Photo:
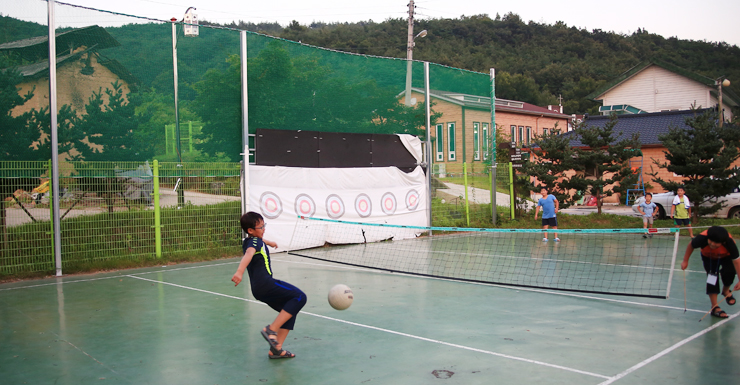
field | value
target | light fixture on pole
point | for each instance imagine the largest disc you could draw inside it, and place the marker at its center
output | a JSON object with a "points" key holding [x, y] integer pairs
{"points": [[721, 82]]}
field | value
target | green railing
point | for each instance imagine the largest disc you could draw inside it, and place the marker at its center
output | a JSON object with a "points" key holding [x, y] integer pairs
{"points": [[117, 210]]}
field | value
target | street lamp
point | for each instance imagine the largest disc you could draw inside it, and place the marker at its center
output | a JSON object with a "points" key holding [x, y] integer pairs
{"points": [[721, 82], [409, 60]]}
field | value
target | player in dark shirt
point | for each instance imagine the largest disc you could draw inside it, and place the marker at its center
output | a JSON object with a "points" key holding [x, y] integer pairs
{"points": [[283, 297], [720, 257]]}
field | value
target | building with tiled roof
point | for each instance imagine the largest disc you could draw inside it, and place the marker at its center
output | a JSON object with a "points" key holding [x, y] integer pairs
{"points": [[657, 86], [461, 132], [649, 126]]}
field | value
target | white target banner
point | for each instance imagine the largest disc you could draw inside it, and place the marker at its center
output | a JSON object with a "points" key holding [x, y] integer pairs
{"points": [[371, 195]]}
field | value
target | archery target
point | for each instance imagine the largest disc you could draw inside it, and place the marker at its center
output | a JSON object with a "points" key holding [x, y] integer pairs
{"points": [[334, 206], [363, 205], [270, 205], [412, 200], [304, 205], [388, 203]]}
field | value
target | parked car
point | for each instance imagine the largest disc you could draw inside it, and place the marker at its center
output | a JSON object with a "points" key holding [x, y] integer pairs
{"points": [[730, 204]]}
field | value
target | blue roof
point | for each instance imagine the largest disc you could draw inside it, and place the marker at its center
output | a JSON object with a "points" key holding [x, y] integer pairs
{"points": [[649, 126]]}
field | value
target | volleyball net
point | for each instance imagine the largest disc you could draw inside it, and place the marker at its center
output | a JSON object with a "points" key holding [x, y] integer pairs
{"points": [[599, 261]]}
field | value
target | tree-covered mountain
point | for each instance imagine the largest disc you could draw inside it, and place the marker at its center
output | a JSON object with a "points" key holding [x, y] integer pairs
{"points": [[535, 62]]}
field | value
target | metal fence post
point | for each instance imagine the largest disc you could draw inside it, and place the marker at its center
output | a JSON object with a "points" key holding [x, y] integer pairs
{"points": [[157, 212]]}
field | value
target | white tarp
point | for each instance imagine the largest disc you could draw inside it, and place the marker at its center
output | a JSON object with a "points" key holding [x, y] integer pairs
{"points": [[371, 195]]}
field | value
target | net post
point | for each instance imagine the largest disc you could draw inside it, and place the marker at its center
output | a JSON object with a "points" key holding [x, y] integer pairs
{"points": [[428, 111], [157, 211], [511, 188], [492, 146], [673, 265], [465, 185], [57, 235]]}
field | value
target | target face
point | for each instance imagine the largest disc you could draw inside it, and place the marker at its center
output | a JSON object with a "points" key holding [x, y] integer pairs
{"points": [[270, 205], [363, 205], [304, 205], [388, 203], [334, 206], [412, 200]]}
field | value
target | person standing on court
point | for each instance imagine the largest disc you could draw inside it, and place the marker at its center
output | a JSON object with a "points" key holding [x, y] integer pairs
{"points": [[550, 206], [681, 210], [719, 255], [281, 296], [647, 210]]}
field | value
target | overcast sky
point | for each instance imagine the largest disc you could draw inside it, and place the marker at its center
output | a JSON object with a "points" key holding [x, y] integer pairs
{"points": [[695, 20]]}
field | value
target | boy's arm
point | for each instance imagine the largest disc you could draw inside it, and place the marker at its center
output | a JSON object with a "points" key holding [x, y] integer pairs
{"points": [[639, 209], [270, 243], [557, 205], [237, 278], [536, 210]]}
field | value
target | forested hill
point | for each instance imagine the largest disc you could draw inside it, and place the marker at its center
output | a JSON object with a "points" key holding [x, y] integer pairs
{"points": [[540, 61], [535, 62]]}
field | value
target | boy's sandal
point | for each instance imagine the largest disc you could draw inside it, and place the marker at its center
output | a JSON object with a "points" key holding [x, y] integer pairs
{"points": [[731, 298], [719, 313], [266, 334], [280, 354]]}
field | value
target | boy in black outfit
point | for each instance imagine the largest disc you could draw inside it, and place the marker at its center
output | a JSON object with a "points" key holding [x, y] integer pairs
{"points": [[283, 297]]}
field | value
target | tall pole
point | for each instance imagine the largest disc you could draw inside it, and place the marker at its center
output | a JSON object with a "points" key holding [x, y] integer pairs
{"points": [[245, 123], [178, 185], [409, 52], [428, 143], [492, 146], [54, 139], [719, 105]]}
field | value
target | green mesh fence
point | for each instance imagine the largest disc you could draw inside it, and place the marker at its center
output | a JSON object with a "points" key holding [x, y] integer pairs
{"points": [[117, 114]]}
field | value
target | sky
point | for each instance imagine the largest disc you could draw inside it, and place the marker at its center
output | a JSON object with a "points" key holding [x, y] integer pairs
{"points": [[694, 20]]}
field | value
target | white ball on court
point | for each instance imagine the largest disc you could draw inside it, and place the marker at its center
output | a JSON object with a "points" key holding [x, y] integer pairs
{"points": [[340, 297]]}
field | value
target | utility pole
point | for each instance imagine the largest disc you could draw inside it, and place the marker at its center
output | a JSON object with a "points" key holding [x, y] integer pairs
{"points": [[409, 52]]}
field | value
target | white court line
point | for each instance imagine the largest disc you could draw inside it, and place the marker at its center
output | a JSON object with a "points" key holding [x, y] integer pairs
{"points": [[666, 351], [392, 331]]}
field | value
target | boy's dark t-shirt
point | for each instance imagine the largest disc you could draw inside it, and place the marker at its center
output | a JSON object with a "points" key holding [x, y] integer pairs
{"points": [[260, 268]]}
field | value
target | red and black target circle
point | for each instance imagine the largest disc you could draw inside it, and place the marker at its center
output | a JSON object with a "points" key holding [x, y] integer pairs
{"points": [[388, 203], [363, 205], [270, 205], [304, 205], [412, 200], [334, 206]]}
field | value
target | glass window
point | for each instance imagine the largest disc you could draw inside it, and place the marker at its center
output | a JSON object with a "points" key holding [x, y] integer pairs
{"points": [[485, 140], [529, 134], [544, 131], [440, 145], [521, 135], [513, 134], [476, 141], [451, 141]]}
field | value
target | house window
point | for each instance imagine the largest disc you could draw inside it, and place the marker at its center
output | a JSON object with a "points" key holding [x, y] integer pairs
{"points": [[485, 141], [476, 141], [513, 134], [521, 135], [450, 141], [440, 145], [544, 131], [529, 135]]}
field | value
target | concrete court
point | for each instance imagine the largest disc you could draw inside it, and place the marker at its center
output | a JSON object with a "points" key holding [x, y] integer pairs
{"points": [[188, 324]]}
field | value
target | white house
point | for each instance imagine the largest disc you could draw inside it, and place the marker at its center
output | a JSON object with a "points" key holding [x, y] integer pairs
{"points": [[656, 86]]}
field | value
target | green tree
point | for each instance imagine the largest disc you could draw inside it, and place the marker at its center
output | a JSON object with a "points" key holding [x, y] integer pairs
{"points": [[113, 129], [702, 156], [603, 160], [552, 157]]}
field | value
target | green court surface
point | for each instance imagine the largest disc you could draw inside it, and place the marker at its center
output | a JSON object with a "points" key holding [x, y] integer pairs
{"points": [[188, 324]]}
